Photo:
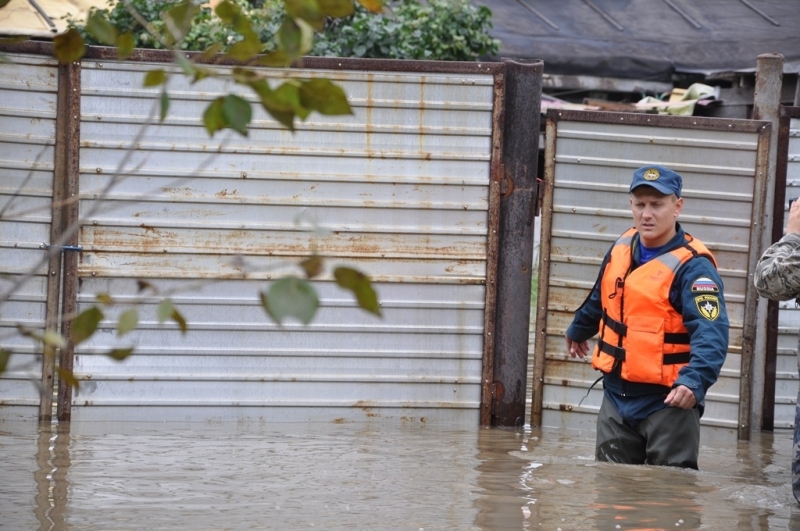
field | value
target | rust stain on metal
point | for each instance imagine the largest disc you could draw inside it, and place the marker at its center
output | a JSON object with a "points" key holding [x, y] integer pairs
{"points": [[498, 391], [367, 408]]}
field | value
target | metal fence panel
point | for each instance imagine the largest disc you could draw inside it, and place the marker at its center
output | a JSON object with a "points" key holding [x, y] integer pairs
{"points": [[28, 90], [398, 190], [590, 160], [786, 377]]}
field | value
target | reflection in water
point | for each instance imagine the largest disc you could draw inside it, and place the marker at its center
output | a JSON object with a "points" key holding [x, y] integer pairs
{"points": [[375, 476]]}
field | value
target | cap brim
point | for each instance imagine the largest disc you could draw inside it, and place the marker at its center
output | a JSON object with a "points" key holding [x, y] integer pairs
{"points": [[661, 188]]}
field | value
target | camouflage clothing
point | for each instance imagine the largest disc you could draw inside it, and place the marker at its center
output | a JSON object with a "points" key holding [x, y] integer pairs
{"points": [[778, 278]]}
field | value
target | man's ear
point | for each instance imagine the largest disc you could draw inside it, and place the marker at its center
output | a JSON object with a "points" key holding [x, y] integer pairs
{"points": [[678, 206]]}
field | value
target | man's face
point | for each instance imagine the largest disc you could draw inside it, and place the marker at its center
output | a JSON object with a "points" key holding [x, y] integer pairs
{"points": [[654, 215]]}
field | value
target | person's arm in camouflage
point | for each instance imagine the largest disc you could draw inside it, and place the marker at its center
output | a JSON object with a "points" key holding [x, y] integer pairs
{"points": [[778, 270]]}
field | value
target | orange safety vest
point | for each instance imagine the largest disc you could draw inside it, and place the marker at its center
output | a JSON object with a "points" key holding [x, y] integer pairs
{"points": [[641, 330]]}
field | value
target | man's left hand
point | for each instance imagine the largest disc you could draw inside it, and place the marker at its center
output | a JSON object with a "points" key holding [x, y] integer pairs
{"points": [[682, 397]]}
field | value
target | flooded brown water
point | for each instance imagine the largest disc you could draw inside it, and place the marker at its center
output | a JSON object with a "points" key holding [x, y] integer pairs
{"points": [[374, 477]]}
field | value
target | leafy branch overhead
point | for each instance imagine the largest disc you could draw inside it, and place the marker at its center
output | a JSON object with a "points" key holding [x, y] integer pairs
{"points": [[296, 98]]}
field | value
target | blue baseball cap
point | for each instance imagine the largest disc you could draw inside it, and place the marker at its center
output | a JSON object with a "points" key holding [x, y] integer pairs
{"points": [[661, 178]]}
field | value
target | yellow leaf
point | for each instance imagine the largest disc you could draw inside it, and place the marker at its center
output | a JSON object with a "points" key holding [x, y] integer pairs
{"points": [[69, 47], [376, 6]]}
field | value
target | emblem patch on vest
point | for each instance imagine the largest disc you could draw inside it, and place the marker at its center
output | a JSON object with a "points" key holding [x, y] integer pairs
{"points": [[704, 285], [708, 306]]}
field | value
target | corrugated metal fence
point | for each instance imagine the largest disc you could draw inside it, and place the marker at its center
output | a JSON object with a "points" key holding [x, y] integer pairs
{"points": [[588, 162], [407, 189], [399, 190], [27, 158]]}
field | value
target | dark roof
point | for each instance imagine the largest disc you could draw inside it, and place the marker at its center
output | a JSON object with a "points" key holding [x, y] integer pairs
{"points": [[647, 39]]}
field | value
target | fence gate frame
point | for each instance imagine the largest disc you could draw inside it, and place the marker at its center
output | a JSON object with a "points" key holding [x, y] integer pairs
{"points": [[763, 131]]}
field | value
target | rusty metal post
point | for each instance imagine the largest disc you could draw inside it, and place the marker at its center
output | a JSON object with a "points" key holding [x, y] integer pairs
{"points": [[519, 197], [492, 246], [766, 106], [53, 309], [773, 309], [72, 117]]}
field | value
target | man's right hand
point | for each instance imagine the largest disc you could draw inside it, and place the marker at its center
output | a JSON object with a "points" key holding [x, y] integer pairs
{"points": [[577, 350], [793, 223]]}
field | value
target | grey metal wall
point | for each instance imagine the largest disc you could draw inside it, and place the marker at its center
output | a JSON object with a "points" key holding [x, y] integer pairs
{"points": [[786, 377], [28, 104], [588, 163], [399, 190]]}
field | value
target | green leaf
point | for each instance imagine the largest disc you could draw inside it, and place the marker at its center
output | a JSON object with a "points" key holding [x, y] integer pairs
{"points": [[212, 51], [245, 49], [337, 8], [246, 76], [312, 265], [54, 339], [69, 377], [186, 65], [179, 19], [85, 325], [104, 298], [164, 310], [237, 112], [277, 59], [120, 354], [125, 45], [285, 118], [153, 78], [213, 117], [227, 12], [101, 29], [164, 108], [5, 355], [289, 94], [360, 285], [178, 318], [69, 47], [282, 104], [295, 37], [307, 10], [128, 321], [290, 297], [201, 72], [232, 15], [323, 96]]}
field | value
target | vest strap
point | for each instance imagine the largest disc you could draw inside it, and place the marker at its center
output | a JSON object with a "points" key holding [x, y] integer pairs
{"points": [[619, 328], [618, 353], [611, 350], [622, 330], [677, 358], [677, 339]]}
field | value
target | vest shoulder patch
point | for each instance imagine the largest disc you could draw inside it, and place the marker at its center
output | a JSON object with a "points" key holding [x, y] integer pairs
{"points": [[704, 285]]}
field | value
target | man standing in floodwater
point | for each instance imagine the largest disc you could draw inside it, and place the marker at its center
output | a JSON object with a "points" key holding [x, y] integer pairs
{"points": [[659, 308], [778, 278]]}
